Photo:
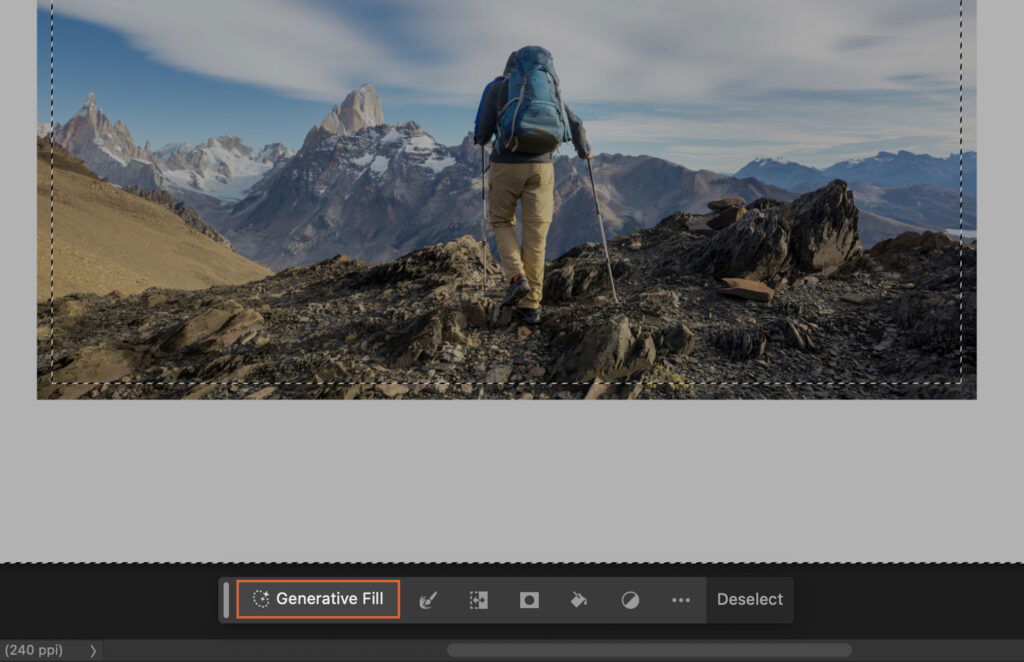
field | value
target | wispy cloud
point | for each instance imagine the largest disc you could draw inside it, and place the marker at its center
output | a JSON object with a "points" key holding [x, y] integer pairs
{"points": [[805, 74], [294, 48]]}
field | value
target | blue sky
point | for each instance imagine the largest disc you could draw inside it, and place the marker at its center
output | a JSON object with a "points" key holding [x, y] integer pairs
{"points": [[706, 84]]}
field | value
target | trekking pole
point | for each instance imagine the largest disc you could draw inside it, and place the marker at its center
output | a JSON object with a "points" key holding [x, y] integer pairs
{"points": [[483, 219], [604, 241]]}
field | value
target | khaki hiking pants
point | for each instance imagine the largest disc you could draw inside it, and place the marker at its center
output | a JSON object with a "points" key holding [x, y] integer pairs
{"points": [[534, 184]]}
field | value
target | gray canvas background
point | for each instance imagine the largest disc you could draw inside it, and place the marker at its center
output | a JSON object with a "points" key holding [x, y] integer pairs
{"points": [[512, 481]]}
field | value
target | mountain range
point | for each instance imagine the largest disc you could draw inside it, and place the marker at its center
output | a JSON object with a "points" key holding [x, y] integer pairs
{"points": [[208, 177], [373, 190], [884, 169], [906, 191]]}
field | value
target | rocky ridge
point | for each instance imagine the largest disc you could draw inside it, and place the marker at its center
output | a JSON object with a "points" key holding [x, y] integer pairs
{"points": [[806, 313]]}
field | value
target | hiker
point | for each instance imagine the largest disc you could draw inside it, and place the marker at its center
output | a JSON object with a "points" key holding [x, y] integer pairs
{"points": [[523, 110]]}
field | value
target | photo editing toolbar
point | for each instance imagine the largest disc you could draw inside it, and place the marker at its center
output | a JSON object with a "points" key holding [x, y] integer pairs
{"points": [[319, 612]]}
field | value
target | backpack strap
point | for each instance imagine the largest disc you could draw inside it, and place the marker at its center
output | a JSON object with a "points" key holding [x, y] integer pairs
{"points": [[483, 102]]}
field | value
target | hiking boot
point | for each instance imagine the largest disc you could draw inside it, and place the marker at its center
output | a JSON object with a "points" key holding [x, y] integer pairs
{"points": [[517, 289], [530, 316]]}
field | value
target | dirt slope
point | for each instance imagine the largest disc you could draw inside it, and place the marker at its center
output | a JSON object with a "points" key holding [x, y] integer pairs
{"points": [[107, 239]]}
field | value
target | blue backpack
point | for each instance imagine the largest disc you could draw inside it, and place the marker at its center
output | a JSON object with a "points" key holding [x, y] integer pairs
{"points": [[533, 120]]}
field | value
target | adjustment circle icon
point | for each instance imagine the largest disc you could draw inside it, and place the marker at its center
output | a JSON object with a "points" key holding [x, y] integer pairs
{"points": [[630, 599]]}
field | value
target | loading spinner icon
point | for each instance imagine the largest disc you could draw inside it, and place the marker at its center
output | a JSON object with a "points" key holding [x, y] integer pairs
{"points": [[261, 598]]}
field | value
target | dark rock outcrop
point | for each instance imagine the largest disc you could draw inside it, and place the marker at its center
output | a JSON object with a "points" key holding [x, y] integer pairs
{"points": [[676, 339], [607, 351], [92, 366], [741, 344], [726, 203], [216, 328], [424, 326], [424, 337], [433, 265], [912, 242], [815, 233], [570, 279]]}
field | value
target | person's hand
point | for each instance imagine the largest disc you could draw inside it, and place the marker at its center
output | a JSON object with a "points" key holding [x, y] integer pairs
{"points": [[590, 155]]}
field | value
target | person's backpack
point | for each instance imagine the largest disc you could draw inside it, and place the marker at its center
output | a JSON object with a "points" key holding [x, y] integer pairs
{"points": [[534, 118]]}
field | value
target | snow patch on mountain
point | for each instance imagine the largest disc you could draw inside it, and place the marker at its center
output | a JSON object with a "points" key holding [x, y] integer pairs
{"points": [[379, 163], [225, 168]]}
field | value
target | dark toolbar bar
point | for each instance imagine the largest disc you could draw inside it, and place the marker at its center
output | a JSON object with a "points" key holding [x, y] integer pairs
{"points": [[525, 600]]}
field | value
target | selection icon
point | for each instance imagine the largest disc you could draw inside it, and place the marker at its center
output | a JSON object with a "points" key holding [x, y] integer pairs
{"points": [[630, 599], [478, 600], [529, 600]]}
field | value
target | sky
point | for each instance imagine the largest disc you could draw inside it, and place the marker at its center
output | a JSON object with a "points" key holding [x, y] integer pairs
{"points": [[704, 83]]}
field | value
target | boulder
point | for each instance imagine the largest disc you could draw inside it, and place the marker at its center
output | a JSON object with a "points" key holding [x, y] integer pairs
{"points": [[676, 222], [763, 203], [793, 334], [815, 233], [726, 203], [498, 374], [68, 308], [607, 351], [430, 267], [425, 336], [217, 327], [677, 339], [419, 341], [912, 242], [743, 288], [572, 280], [741, 344], [478, 312], [569, 279], [391, 390], [726, 217], [90, 367]]}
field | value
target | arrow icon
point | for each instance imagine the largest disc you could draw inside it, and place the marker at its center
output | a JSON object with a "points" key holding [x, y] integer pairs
{"points": [[93, 654]]}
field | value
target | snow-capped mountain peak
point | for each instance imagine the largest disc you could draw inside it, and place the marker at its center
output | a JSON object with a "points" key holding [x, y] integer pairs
{"points": [[405, 143], [360, 109], [46, 129], [107, 147], [763, 161]]}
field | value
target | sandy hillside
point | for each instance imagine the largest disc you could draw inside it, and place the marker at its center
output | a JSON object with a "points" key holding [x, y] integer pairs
{"points": [[107, 239]]}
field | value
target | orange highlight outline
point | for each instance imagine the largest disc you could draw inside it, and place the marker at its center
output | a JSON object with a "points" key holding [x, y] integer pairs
{"points": [[396, 582]]}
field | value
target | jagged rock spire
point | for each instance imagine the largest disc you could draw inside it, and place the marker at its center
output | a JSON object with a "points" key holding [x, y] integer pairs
{"points": [[360, 109]]}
